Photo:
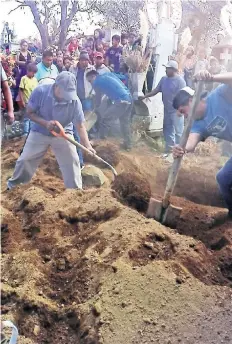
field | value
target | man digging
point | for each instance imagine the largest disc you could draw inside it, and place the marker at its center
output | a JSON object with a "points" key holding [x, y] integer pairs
{"points": [[47, 104], [213, 118]]}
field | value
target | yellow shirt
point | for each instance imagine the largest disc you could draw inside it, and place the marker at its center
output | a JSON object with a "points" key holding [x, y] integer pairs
{"points": [[27, 85]]}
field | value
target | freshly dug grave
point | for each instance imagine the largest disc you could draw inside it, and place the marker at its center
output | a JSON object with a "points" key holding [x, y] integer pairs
{"points": [[133, 189], [81, 267]]}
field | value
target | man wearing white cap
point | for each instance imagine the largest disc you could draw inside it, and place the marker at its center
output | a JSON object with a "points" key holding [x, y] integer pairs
{"points": [[213, 118], [169, 86], [47, 104]]}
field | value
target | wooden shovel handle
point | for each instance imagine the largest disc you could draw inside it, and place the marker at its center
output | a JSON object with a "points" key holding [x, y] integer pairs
{"points": [[173, 174]]}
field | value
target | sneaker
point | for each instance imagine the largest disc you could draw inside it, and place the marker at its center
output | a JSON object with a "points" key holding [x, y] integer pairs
{"points": [[169, 158], [164, 156]]}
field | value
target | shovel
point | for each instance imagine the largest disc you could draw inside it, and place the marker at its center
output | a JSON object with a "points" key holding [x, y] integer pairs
{"points": [[61, 133], [163, 211]]}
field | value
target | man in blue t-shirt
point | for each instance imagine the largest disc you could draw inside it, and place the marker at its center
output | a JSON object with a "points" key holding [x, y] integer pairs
{"points": [[169, 86], [47, 104], [213, 118], [121, 104]]}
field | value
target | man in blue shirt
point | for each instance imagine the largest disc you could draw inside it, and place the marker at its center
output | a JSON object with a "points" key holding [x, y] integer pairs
{"points": [[47, 71], [121, 104], [169, 86], [213, 118], [47, 104]]}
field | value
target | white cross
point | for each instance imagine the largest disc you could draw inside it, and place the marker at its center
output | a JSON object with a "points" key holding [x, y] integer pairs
{"points": [[225, 56]]}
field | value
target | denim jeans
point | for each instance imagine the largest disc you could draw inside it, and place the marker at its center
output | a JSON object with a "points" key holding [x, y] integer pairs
{"points": [[79, 151], [224, 179], [26, 126], [122, 111], [172, 129]]}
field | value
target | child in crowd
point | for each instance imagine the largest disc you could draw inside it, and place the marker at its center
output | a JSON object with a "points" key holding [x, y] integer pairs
{"points": [[113, 54], [27, 85]]}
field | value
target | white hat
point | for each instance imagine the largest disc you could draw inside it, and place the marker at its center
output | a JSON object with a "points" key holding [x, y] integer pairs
{"points": [[189, 90]]}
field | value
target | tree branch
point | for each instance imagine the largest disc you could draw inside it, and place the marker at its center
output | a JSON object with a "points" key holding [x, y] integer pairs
{"points": [[19, 6]]}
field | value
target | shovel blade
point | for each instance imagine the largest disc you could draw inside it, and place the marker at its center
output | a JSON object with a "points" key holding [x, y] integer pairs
{"points": [[171, 216], [154, 210]]}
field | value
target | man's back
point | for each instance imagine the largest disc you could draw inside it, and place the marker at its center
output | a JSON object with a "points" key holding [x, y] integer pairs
{"points": [[217, 119], [112, 87]]}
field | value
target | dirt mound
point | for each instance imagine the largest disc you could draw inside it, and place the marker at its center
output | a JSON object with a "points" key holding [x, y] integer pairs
{"points": [[81, 267], [107, 151], [133, 189]]}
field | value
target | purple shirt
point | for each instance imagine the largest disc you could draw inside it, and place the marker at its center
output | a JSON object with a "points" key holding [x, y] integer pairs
{"points": [[114, 55]]}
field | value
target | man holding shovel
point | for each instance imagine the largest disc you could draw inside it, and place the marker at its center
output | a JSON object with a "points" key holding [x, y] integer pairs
{"points": [[213, 117], [47, 104]]}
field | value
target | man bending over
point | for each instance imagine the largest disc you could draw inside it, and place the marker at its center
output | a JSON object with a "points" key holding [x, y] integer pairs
{"points": [[47, 104], [213, 118]]}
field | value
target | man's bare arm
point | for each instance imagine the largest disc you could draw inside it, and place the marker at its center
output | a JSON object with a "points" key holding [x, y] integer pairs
{"points": [[49, 125], [152, 93], [193, 140], [225, 78], [9, 102]]}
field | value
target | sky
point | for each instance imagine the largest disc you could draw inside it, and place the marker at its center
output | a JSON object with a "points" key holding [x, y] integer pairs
{"points": [[22, 20]]}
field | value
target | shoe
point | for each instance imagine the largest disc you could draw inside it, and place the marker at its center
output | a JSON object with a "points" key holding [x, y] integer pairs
{"points": [[169, 158], [164, 156]]}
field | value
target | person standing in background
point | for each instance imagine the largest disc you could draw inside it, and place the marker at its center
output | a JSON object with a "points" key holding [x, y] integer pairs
{"points": [[113, 54], [187, 64], [22, 60], [202, 62], [84, 89], [27, 84], [60, 64], [99, 64], [173, 125], [67, 63], [46, 69], [73, 45], [6, 99]]}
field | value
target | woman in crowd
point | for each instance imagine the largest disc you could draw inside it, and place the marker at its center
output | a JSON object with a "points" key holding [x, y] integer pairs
{"points": [[187, 65], [23, 58], [202, 62]]}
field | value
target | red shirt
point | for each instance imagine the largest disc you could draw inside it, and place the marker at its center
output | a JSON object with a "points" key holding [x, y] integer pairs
{"points": [[72, 47]]}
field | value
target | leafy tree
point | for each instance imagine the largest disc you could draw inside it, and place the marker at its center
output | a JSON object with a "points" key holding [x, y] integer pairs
{"points": [[122, 15], [54, 18]]}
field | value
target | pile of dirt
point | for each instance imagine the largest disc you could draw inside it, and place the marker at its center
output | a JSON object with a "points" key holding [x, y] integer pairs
{"points": [[83, 267], [107, 151]]}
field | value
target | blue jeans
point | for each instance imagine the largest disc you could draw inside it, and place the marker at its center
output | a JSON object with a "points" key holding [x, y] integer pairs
{"points": [[172, 129], [26, 126], [79, 151], [224, 179]]}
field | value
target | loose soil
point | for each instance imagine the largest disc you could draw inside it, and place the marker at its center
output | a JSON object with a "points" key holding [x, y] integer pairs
{"points": [[88, 267]]}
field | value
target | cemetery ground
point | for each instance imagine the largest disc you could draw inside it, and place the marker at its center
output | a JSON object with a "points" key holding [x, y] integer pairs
{"points": [[88, 266]]}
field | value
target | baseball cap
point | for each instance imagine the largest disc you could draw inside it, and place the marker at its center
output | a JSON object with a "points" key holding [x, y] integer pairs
{"points": [[98, 54], [189, 90], [171, 64], [66, 82]]}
